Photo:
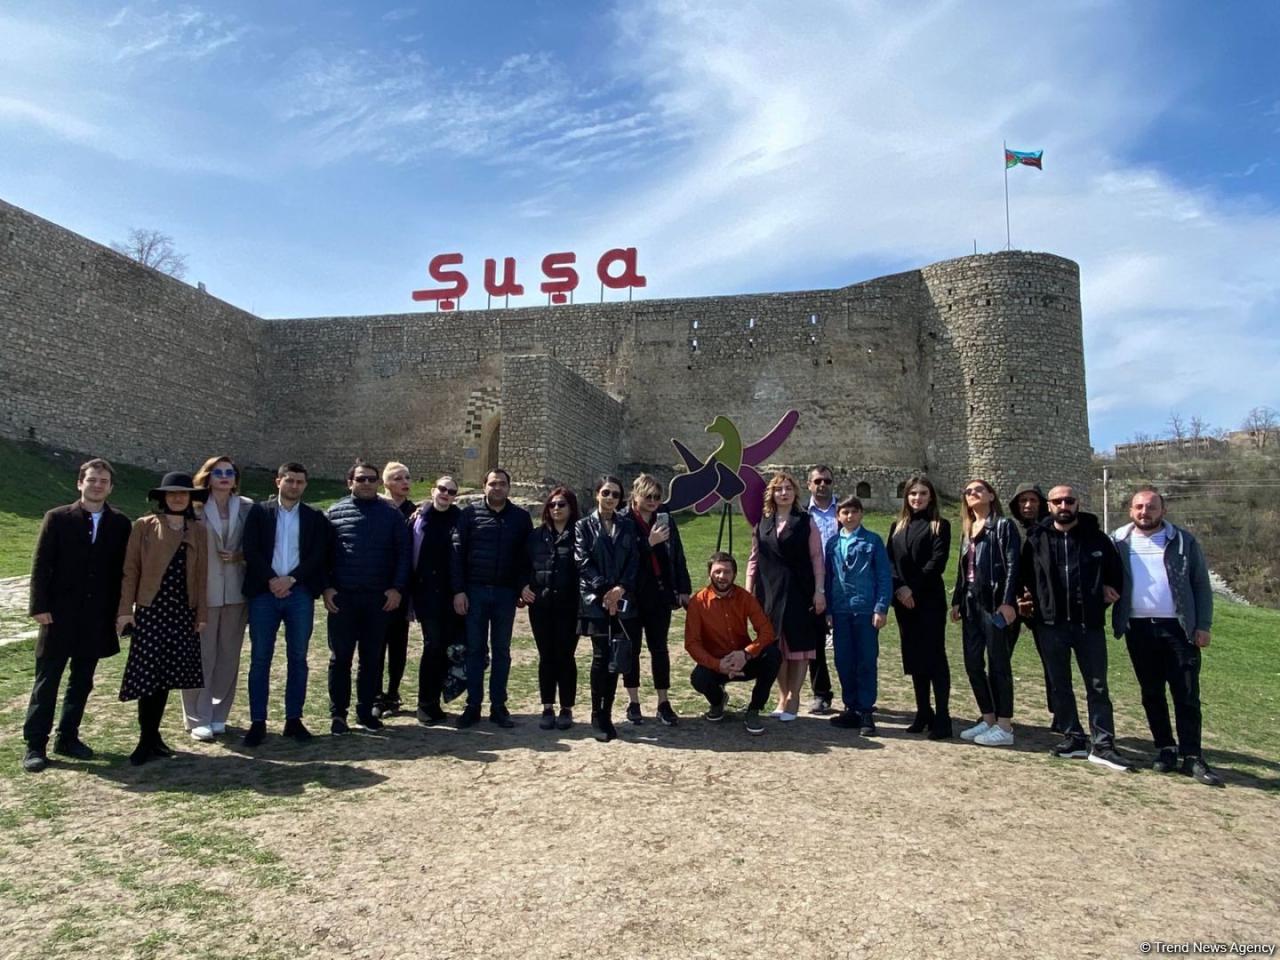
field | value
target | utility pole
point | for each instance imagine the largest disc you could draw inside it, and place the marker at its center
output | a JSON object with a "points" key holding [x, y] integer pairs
{"points": [[1106, 503]]}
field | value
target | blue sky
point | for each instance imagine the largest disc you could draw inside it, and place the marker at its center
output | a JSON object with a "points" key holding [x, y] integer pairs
{"points": [[310, 158]]}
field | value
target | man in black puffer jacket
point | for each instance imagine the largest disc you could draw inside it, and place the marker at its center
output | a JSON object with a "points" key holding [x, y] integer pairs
{"points": [[488, 569], [1072, 571], [369, 569]]}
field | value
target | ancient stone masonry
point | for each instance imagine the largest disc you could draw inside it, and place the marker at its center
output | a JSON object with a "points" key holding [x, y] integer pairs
{"points": [[969, 367]]}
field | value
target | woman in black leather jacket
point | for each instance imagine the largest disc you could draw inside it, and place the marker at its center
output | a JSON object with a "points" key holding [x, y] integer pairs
{"points": [[552, 598], [607, 561], [983, 603]]}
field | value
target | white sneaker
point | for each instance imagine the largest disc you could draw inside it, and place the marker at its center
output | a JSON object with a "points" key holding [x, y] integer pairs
{"points": [[996, 736], [218, 728], [777, 714], [975, 731], [203, 734], [784, 717]]}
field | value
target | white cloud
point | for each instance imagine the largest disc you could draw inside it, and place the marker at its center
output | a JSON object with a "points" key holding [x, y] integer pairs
{"points": [[859, 133], [183, 33], [396, 108]]}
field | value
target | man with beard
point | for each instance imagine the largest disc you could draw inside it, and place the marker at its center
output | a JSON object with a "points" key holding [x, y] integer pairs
{"points": [[1072, 571], [1165, 616], [1029, 507], [716, 637]]}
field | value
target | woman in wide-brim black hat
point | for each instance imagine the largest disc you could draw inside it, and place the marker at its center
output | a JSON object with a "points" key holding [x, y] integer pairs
{"points": [[163, 603]]}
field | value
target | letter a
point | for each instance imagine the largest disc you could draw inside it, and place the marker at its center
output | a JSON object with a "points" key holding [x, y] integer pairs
{"points": [[628, 278]]}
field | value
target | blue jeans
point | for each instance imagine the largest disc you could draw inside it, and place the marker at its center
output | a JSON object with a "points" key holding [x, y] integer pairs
{"points": [[266, 613], [491, 615], [857, 649]]}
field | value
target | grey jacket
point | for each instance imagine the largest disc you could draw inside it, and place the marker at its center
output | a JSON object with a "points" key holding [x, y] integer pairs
{"points": [[1188, 580]]}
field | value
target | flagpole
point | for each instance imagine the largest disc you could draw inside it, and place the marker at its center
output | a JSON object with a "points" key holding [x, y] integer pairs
{"points": [[1008, 236]]}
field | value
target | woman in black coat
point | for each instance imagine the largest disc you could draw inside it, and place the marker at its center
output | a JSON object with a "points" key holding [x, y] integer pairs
{"points": [[607, 560], [919, 547], [786, 572], [552, 598], [432, 529]]}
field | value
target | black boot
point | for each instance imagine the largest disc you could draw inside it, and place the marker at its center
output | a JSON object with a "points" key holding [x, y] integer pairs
{"points": [[142, 752], [941, 728], [922, 722]]}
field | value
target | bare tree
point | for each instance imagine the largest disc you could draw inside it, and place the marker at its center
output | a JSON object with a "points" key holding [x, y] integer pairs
{"points": [[1137, 452], [1177, 428], [154, 249], [1197, 427], [1261, 423]]}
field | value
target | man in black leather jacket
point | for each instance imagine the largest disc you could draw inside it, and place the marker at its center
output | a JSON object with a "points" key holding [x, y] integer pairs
{"points": [[1072, 571]]}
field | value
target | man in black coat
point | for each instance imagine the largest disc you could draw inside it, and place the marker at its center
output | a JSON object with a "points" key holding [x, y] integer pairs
{"points": [[75, 589], [1072, 570], [286, 555]]}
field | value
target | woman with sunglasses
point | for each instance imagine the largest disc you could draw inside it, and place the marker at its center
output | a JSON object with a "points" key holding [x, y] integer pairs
{"points": [[984, 604], [662, 585], [552, 598], [432, 594], [222, 639], [786, 572], [607, 559]]}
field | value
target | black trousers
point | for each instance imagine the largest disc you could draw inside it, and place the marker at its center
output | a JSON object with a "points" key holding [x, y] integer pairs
{"points": [[604, 682], [397, 651], [555, 633], [360, 624], [44, 698], [988, 656], [438, 633], [819, 674], [763, 670], [1089, 644], [655, 620], [1163, 657], [1036, 639]]}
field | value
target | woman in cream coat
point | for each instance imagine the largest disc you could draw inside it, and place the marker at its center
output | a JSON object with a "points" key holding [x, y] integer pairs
{"points": [[222, 638]]}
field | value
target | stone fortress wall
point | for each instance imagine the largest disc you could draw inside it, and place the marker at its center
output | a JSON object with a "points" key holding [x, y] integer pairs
{"points": [[969, 367]]}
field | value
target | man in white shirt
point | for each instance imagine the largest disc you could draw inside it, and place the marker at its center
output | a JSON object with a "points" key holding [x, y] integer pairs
{"points": [[822, 508], [1165, 614]]}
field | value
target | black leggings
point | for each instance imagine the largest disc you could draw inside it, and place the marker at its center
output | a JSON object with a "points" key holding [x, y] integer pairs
{"points": [[940, 681], [655, 620], [397, 652], [555, 632], [150, 711]]}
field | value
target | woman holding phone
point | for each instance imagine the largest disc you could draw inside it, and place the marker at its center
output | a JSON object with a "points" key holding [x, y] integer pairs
{"points": [[607, 560], [983, 603], [662, 585]]}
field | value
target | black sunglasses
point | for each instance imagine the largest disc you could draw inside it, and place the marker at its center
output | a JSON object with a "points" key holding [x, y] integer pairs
{"points": [[610, 494], [821, 481], [451, 491], [364, 479], [1065, 501], [559, 504], [974, 491]]}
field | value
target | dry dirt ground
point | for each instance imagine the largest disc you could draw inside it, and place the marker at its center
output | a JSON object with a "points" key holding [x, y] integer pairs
{"points": [[694, 841]]}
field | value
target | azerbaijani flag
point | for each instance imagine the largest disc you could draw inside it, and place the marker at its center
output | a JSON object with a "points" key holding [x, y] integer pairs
{"points": [[1029, 157]]}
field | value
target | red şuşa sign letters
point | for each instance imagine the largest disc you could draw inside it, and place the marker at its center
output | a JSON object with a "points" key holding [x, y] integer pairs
{"points": [[558, 268]]}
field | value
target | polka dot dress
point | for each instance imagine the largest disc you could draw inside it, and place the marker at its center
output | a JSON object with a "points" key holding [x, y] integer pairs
{"points": [[165, 651]]}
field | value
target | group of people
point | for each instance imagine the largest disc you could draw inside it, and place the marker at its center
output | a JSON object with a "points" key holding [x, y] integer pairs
{"points": [[184, 583]]}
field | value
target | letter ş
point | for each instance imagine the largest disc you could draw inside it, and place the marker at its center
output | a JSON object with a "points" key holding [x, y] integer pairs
{"points": [[558, 268]]}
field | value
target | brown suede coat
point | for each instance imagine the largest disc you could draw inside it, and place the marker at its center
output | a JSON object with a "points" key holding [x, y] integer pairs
{"points": [[151, 546]]}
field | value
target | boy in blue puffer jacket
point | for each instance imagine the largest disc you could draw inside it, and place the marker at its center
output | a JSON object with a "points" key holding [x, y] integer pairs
{"points": [[859, 586]]}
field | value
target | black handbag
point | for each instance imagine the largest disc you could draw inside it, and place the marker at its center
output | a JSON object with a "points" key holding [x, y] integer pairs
{"points": [[620, 647]]}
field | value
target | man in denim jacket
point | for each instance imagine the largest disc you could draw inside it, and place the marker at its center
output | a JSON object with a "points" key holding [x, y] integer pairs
{"points": [[1165, 614], [859, 586]]}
